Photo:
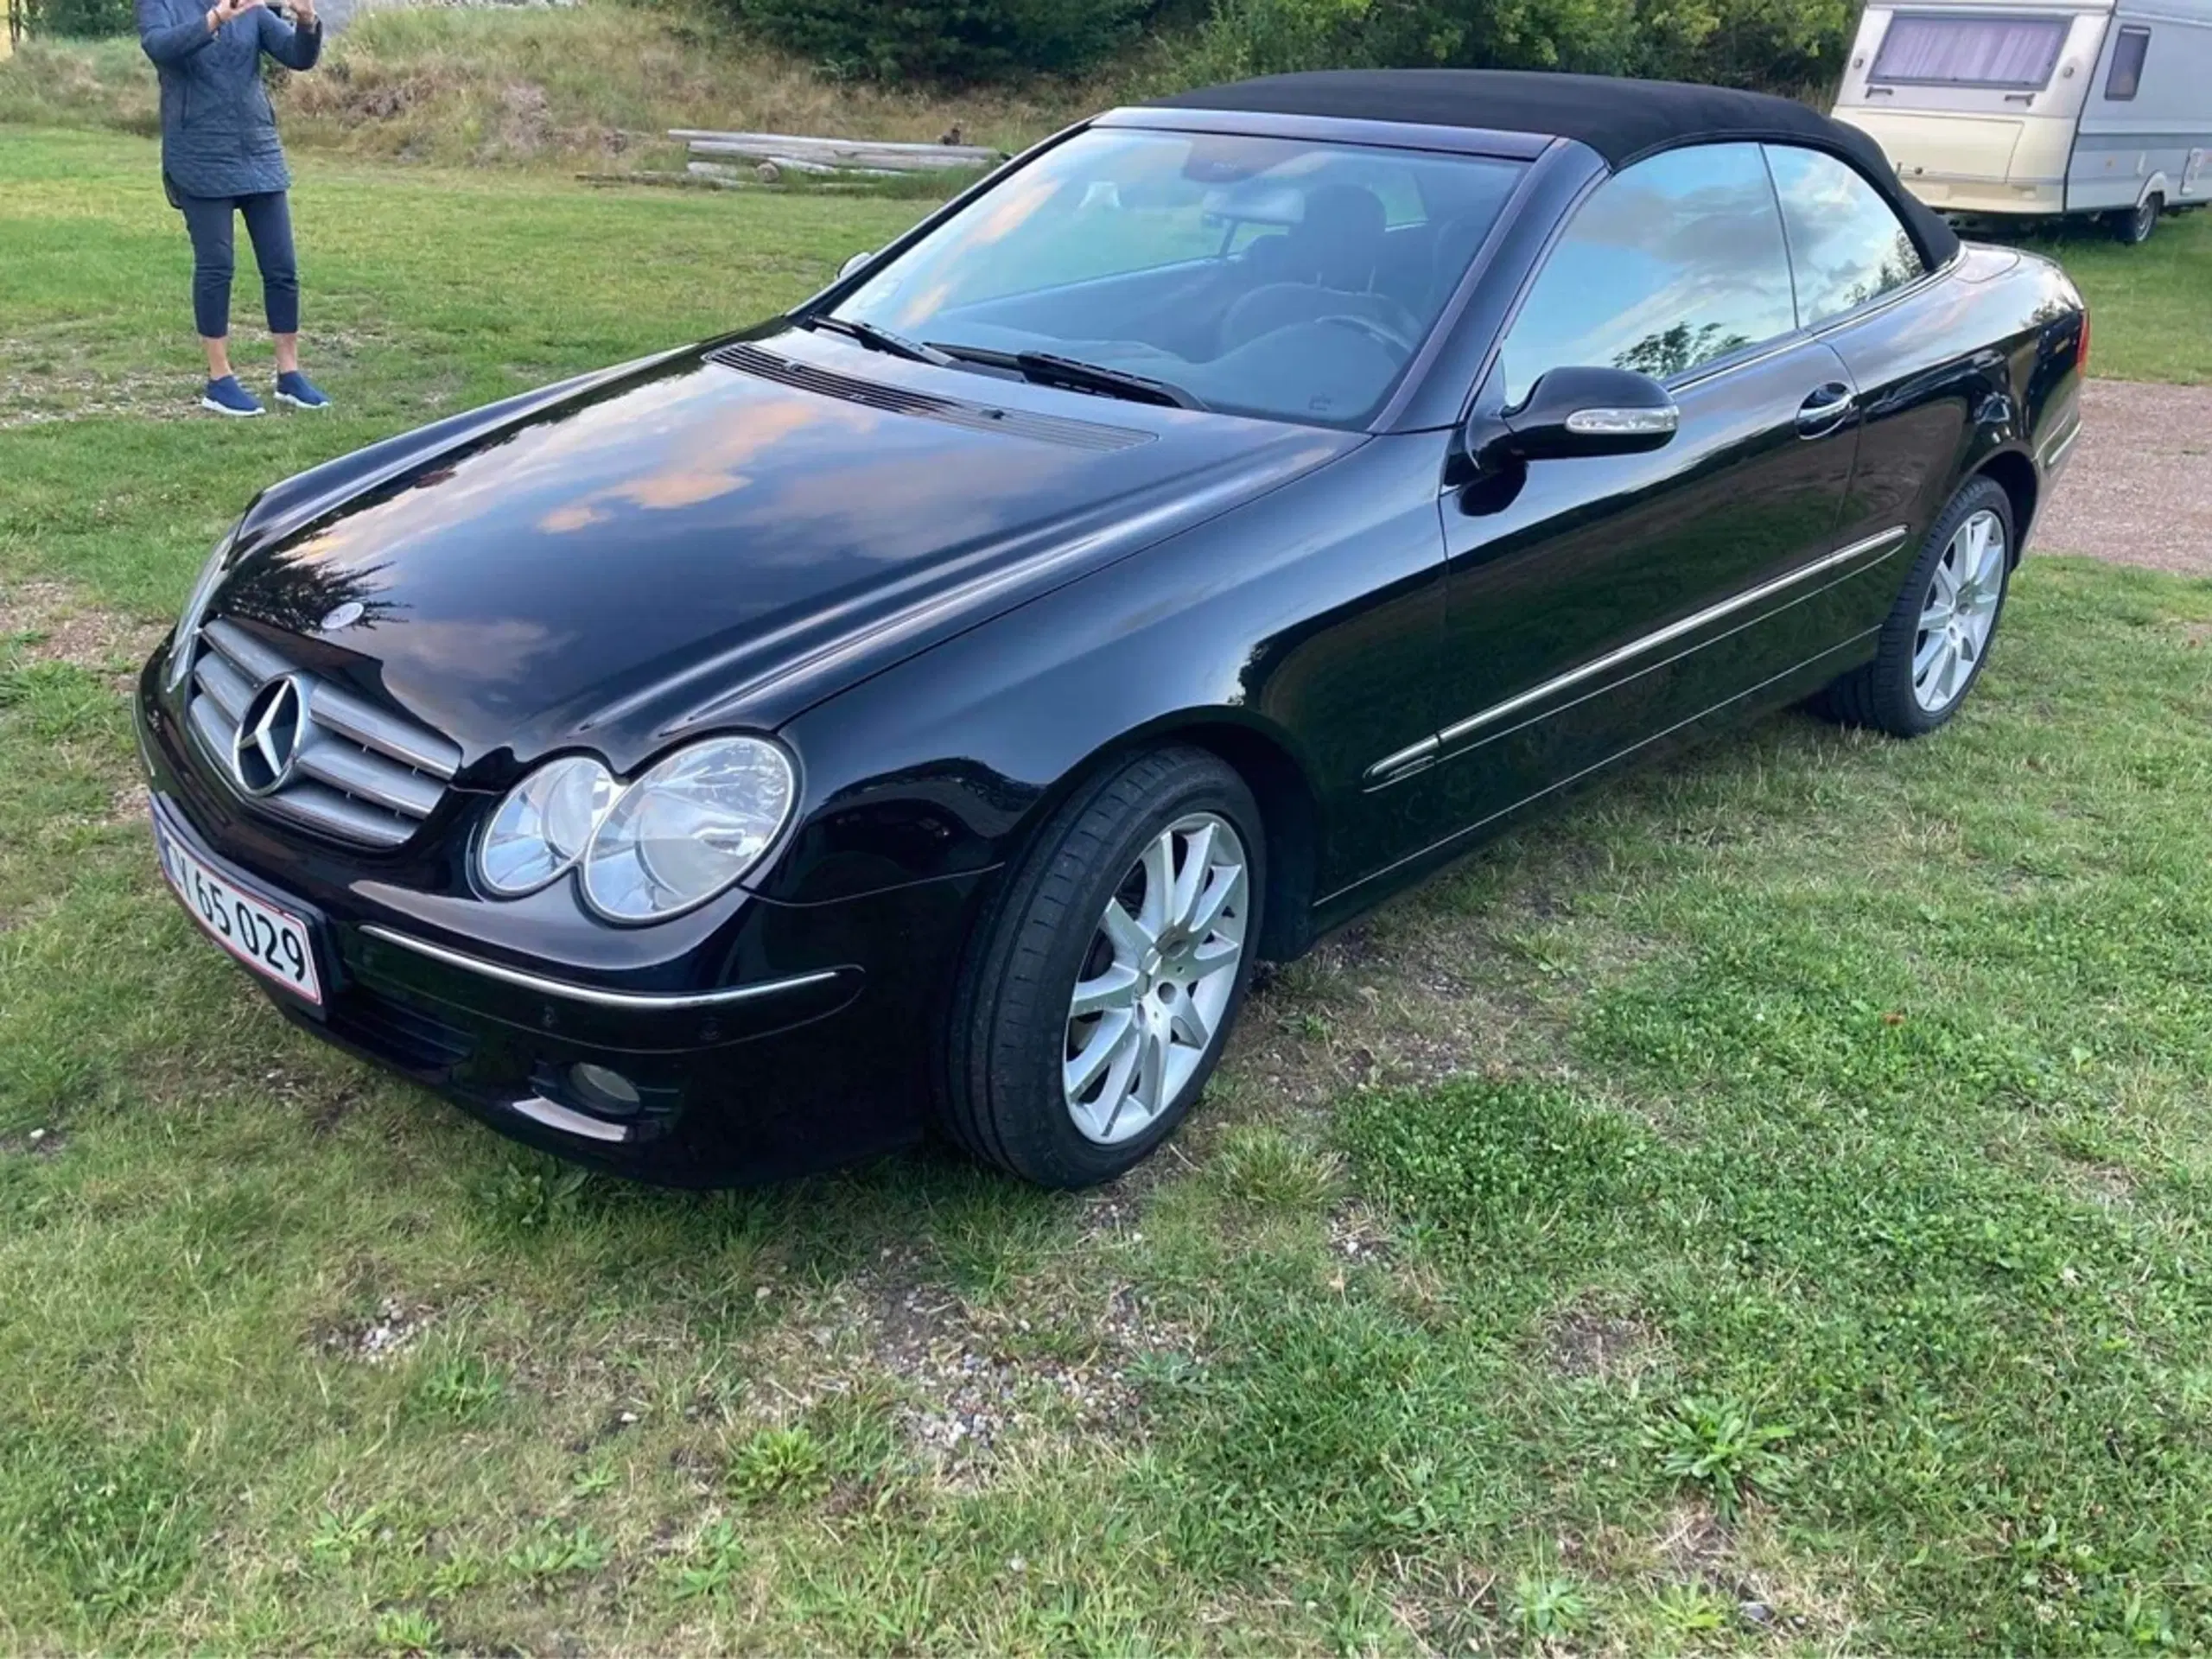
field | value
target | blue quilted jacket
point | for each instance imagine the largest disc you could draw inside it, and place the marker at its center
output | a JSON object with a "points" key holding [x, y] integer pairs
{"points": [[218, 133]]}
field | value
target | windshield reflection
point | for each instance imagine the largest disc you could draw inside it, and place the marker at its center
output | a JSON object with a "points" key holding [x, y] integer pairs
{"points": [[1283, 278]]}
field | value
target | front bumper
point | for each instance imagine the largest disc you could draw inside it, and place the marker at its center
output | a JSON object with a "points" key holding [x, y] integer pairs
{"points": [[790, 1038]]}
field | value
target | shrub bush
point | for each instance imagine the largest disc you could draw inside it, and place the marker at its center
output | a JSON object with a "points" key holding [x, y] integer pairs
{"points": [[1779, 45], [951, 40], [79, 19]]}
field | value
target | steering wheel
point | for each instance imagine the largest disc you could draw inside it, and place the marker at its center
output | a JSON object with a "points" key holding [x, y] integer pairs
{"points": [[1382, 333]]}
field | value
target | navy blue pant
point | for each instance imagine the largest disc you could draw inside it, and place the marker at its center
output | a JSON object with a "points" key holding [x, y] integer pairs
{"points": [[268, 222]]}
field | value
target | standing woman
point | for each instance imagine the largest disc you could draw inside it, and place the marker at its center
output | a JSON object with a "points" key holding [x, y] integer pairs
{"points": [[219, 158]]}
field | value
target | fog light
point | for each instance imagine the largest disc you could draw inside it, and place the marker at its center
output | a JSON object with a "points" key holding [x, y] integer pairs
{"points": [[601, 1090]]}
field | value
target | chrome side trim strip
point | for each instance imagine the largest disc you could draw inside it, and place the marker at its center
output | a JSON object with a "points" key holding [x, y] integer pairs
{"points": [[2059, 451], [1463, 835], [635, 1001], [1391, 768], [1635, 648]]}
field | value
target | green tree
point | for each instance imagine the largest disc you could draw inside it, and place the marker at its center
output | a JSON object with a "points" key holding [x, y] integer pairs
{"points": [[1783, 45]]}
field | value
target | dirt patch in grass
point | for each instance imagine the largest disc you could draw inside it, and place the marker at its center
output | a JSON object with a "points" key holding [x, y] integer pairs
{"points": [[1697, 1546], [1448, 1607], [1118, 1208], [972, 1383], [2102, 1183], [54, 374], [1360, 1014], [1739, 1566], [332, 1107], [51, 622], [1357, 1234], [1586, 1339]]}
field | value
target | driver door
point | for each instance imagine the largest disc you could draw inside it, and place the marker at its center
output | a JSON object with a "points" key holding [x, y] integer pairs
{"points": [[1595, 604]]}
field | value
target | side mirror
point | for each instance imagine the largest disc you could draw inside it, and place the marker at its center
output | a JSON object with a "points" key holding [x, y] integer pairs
{"points": [[854, 264], [1572, 413]]}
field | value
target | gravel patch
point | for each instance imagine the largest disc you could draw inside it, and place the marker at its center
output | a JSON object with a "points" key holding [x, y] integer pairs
{"points": [[2138, 489], [381, 1336]]}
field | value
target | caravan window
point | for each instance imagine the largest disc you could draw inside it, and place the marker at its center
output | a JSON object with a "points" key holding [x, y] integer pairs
{"points": [[2128, 64], [1933, 49]]}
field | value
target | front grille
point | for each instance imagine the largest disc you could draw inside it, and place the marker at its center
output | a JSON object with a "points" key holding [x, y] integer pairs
{"points": [[897, 400], [360, 774]]}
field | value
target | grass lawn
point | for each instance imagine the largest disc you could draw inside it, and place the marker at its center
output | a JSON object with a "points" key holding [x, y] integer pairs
{"points": [[1764, 1209], [2147, 305]]}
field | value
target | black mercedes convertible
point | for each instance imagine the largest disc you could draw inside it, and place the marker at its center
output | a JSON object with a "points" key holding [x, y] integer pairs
{"points": [[926, 707]]}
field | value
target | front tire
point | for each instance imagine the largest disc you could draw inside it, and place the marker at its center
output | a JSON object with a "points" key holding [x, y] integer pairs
{"points": [[1097, 999], [1936, 641]]}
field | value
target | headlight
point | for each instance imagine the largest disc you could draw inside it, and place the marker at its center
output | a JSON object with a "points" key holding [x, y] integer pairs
{"points": [[196, 607], [688, 829], [543, 826]]}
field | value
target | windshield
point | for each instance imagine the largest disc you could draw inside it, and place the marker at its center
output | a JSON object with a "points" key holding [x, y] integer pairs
{"points": [[1924, 49], [1281, 277]]}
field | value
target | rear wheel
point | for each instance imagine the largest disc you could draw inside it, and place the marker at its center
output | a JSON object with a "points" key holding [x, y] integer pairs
{"points": [[1097, 1000], [2133, 225], [1937, 641]]}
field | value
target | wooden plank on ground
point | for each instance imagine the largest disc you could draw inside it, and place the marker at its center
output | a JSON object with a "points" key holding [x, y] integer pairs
{"points": [[823, 153], [864, 149]]}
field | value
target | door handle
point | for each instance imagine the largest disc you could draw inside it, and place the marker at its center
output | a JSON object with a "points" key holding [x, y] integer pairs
{"points": [[1825, 408]]}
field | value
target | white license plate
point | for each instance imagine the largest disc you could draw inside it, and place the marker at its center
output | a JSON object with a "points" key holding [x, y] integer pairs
{"points": [[274, 943]]}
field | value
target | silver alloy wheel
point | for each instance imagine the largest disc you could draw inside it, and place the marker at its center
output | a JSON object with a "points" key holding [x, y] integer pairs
{"points": [[1959, 613], [1157, 979]]}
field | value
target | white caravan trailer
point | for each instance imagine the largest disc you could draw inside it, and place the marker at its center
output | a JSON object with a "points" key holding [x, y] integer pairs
{"points": [[2032, 108]]}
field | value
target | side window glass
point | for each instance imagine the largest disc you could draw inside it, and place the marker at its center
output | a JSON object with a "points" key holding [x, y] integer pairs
{"points": [[1675, 263], [2126, 77], [1845, 244]]}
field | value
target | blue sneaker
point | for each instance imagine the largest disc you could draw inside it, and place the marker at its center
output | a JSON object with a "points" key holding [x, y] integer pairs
{"points": [[226, 397], [300, 392]]}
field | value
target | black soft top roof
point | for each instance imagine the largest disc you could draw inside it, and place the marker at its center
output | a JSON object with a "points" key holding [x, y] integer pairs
{"points": [[1623, 120]]}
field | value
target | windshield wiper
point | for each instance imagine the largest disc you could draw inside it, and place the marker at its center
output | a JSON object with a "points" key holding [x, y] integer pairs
{"points": [[875, 339], [1048, 369]]}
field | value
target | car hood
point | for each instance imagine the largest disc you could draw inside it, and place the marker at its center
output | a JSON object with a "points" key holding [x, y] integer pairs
{"points": [[716, 538]]}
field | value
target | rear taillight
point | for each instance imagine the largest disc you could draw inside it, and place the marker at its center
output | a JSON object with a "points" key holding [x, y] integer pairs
{"points": [[2082, 350]]}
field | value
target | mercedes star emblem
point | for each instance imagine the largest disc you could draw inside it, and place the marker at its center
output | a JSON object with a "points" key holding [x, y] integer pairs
{"points": [[345, 616], [271, 733]]}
